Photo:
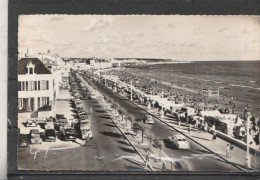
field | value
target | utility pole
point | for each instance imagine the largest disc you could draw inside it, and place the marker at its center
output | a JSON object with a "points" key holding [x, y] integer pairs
{"points": [[248, 158], [131, 97], [218, 94]]}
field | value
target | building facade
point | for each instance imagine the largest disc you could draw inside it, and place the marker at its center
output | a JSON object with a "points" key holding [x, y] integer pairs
{"points": [[36, 87]]}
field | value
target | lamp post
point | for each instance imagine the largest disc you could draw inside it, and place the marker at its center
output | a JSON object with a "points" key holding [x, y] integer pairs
{"points": [[162, 105], [131, 87], [248, 158]]}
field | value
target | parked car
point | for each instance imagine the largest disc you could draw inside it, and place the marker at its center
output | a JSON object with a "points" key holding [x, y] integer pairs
{"points": [[93, 96], [49, 123], [59, 117], [49, 135], [85, 132], [68, 134], [78, 101], [180, 141], [148, 119], [83, 117], [31, 123], [64, 122], [84, 123], [82, 112], [35, 136], [23, 140]]}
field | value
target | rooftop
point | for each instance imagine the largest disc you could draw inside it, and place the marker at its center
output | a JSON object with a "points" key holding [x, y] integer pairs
{"points": [[40, 68]]}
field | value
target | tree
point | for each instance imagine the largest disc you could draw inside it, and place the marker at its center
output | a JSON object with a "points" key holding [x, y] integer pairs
{"points": [[130, 118], [158, 143], [105, 98], [150, 137], [122, 113], [114, 106], [137, 126]]}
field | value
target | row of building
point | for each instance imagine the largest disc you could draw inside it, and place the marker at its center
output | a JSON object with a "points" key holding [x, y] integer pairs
{"points": [[95, 63]]}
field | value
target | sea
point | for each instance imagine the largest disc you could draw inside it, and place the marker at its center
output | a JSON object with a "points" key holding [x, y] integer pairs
{"points": [[237, 79]]}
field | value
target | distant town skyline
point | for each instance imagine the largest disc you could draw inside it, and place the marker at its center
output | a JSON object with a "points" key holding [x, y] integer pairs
{"points": [[142, 36]]}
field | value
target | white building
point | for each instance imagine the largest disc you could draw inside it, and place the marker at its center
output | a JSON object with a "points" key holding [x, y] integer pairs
{"points": [[36, 88]]}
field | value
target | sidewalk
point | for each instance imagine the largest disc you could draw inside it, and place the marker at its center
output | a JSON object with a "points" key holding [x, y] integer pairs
{"points": [[63, 105]]}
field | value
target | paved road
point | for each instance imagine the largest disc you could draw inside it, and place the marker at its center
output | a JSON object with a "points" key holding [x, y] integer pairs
{"points": [[108, 150], [195, 159]]}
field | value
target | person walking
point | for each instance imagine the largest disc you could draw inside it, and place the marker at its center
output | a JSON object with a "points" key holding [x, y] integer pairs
{"points": [[228, 153], [88, 140], [147, 160], [214, 135], [163, 166], [189, 128], [205, 127], [90, 110]]}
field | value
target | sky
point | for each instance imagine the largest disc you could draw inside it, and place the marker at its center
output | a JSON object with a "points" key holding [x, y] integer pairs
{"points": [[174, 37]]}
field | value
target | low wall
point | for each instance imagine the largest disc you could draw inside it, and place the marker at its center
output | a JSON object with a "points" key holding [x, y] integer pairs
{"points": [[237, 142]]}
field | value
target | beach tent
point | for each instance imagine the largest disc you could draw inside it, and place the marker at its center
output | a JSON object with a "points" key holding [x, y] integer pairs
{"points": [[215, 113], [237, 120]]}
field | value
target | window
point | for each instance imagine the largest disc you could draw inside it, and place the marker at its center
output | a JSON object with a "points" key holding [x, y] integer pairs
{"points": [[26, 86], [45, 101], [31, 85], [35, 85], [39, 85], [44, 85], [23, 86], [30, 70]]}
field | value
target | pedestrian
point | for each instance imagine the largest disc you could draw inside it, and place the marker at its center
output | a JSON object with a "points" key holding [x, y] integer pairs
{"points": [[88, 140], [163, 166], [205, 127], [90, 110], [147, 160], [214, 135], [228, 153], [189, 128], [231, 149]]}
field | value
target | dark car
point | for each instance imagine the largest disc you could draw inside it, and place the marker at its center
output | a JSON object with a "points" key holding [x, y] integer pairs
{"points": [[64, 122], [35, 136], [148, 119], [83, 117], [23, 140], [49, 135], [59, 118], [68, 134]]}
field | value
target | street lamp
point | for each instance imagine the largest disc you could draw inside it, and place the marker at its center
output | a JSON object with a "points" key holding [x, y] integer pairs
{"points": [[131, 97], [248, 158]]}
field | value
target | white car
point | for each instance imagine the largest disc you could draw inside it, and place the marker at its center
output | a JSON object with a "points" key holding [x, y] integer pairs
{"points": [[180, 141], [148, 119], [86, 132], [31, 123], [93, 96]]}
